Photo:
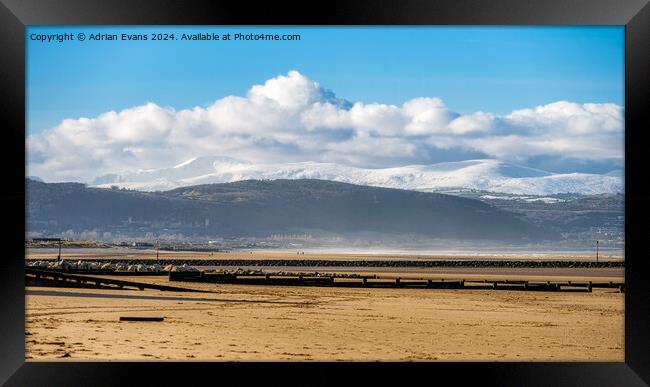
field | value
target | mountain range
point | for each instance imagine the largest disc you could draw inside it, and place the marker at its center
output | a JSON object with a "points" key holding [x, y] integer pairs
{"points": [[263, 208], [476, 175]]}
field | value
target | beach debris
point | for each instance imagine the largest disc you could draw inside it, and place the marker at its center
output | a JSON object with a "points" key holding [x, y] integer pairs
{"points": [[121, 267], [184, 268], [104, 266], [39, 264], [140, 318], [61, 265], [238, 271], [108, 266]]}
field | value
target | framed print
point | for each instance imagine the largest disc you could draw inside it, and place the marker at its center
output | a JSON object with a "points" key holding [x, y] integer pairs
{"points": [[416, 188]]}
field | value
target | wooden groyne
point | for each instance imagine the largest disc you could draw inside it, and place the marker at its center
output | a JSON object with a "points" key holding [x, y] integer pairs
{"points": [[374, 281], [34, 277]]}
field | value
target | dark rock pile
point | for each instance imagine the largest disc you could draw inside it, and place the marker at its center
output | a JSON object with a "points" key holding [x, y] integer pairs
{"points": [[382, 263]]}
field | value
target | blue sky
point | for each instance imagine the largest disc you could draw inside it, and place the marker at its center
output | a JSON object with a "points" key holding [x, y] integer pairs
{"points": [[490, 69], [372, 97]]}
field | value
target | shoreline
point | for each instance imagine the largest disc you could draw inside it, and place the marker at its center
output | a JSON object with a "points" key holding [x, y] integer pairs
{"points": [[306, 253]]}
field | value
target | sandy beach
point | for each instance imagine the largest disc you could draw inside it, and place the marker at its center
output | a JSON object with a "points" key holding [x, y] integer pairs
{"points": [[267, 323]]}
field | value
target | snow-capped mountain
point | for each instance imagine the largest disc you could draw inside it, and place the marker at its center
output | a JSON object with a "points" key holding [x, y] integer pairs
{"points": [[484, 175]]}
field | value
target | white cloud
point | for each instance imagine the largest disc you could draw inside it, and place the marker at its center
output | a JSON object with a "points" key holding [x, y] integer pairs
{"points": [[291, 92], [427, 116], [472, 123], [570, 118], [325, 116], [292, 118]]}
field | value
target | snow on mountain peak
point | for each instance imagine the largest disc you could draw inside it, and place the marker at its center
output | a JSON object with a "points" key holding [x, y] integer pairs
{"points": [[484, 175], [184, 163]]}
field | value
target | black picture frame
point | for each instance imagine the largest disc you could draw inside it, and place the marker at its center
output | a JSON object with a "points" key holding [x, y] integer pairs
{"points": [[16, 14]]}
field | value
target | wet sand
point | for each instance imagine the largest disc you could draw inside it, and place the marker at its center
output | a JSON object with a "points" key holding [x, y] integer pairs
{"points": [[124, 253], [239, 322]]}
